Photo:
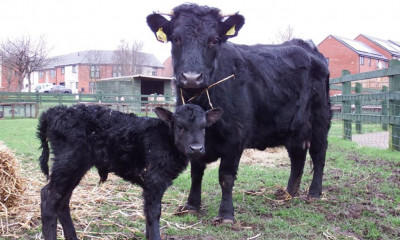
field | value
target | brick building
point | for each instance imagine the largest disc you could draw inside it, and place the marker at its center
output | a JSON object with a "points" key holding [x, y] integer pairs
{"points": [[357, 56], [388, 48], [81, 70], [8, 78]]}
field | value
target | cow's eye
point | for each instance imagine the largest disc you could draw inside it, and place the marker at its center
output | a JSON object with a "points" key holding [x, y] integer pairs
{"points": [[180, 128], [176, 40], [213, 41]]}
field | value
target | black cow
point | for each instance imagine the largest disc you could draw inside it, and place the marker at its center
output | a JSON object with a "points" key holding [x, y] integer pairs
{"points": [[272, 95], [146, 151]]}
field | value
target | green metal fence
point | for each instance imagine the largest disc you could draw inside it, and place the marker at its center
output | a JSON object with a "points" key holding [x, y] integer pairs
{"points": [[355, 107], [14, 104]]}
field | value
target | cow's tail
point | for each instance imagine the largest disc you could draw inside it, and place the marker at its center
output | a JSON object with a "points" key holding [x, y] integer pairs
{"points": [[44, 145]]}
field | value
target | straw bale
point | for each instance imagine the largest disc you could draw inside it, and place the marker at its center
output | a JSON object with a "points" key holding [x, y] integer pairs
{"points": [[11, 182]]}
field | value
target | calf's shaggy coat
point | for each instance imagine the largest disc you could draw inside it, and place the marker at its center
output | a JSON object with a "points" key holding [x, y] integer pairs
{"points": [[146, 151]]}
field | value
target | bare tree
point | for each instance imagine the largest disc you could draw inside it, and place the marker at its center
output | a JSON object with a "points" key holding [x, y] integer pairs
{"points": [[25, 56], [127, 58], [285, 35]]}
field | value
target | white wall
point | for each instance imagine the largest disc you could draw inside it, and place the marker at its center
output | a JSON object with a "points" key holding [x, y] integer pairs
{"points": [[71, 78]]}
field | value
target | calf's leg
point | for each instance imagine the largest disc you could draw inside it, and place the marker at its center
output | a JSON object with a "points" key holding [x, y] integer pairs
{"points": [[56, 197], [50, 201], [152, 195]]}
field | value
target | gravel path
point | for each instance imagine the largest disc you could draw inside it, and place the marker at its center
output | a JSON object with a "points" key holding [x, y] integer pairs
{"points": [[377, 139]]}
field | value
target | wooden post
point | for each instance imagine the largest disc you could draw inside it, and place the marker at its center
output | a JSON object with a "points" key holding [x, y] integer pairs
{"points": [[358, 107], [394, 109], [384, 108], [346, 109]]}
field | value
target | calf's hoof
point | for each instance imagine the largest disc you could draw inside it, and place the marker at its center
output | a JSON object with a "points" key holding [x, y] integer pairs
{"points": [[223, 221], [187, 209]]}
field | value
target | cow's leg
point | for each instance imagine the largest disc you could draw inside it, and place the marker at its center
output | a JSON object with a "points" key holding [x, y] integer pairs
{"points": [[194, 199], [297, 156], [319, 144], [227, 176], [152, 195]]}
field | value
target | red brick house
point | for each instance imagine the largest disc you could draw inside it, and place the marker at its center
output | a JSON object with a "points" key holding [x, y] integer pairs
{"points": [[387, 48], [354, 56], [167, 71], [8, 78], [81, 70]]}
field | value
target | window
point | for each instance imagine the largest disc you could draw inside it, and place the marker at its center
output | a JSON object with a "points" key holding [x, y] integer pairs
{"points": [[369, 61], [53, 73], [94, 71], [154, 72], [62, 70], [40, 74], [117, 71], [73, 68], [361, 60], [92, 87]]}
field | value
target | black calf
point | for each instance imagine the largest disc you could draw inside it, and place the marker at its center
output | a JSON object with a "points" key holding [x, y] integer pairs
{"points": [[149, 152]]}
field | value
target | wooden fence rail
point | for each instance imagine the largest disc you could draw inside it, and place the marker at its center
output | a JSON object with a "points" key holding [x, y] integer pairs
{"points": [[350, 102]]}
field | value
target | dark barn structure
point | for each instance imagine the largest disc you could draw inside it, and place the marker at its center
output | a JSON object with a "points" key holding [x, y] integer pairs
{"points": [[136, 85]]}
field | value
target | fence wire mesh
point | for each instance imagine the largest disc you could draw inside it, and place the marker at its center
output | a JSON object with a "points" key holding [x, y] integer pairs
{"points": [[367, 129]]}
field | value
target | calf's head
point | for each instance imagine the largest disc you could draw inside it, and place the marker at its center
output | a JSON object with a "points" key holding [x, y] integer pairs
{"points": [[189, 123], [196, 34]]}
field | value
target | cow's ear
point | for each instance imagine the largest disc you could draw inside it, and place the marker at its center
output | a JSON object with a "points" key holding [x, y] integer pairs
{"points": [[165, 115], [159, 25], [213, 115], [231, 26]]}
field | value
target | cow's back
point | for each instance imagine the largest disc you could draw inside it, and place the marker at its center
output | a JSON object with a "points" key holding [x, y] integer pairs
{"points": [[274, 88]]}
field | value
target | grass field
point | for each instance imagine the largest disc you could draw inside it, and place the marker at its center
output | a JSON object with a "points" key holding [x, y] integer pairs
{"points": [[361, 198]]}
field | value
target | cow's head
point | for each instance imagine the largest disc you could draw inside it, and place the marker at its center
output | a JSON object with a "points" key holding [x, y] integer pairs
{"points": [[196, 34], [189, 123]]}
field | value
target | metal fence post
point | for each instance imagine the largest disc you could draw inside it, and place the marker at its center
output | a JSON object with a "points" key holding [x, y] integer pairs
{"points": [[394, 109], [346, 109], [358, 107], [384, 108]]}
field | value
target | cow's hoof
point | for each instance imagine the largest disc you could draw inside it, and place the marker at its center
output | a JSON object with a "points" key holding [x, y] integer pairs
{"points": [[222, 221], [187, 209], [311, 199], [282, 194]]}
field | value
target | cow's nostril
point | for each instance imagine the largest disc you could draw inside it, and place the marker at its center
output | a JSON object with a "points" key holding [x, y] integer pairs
{"points": [[196, 148], [200, 78]]}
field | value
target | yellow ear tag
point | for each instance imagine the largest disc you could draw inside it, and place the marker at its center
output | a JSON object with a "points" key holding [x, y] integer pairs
{"points": [[161, 36], [231, 31]]}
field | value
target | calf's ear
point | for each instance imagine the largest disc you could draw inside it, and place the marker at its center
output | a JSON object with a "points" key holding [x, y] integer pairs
{"points": [[164, 114], [231, 26], [213, 115], [160, 26]]}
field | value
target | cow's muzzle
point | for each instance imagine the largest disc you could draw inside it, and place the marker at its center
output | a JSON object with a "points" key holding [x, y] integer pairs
{"points": [[191, 80], [195, 150]]}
